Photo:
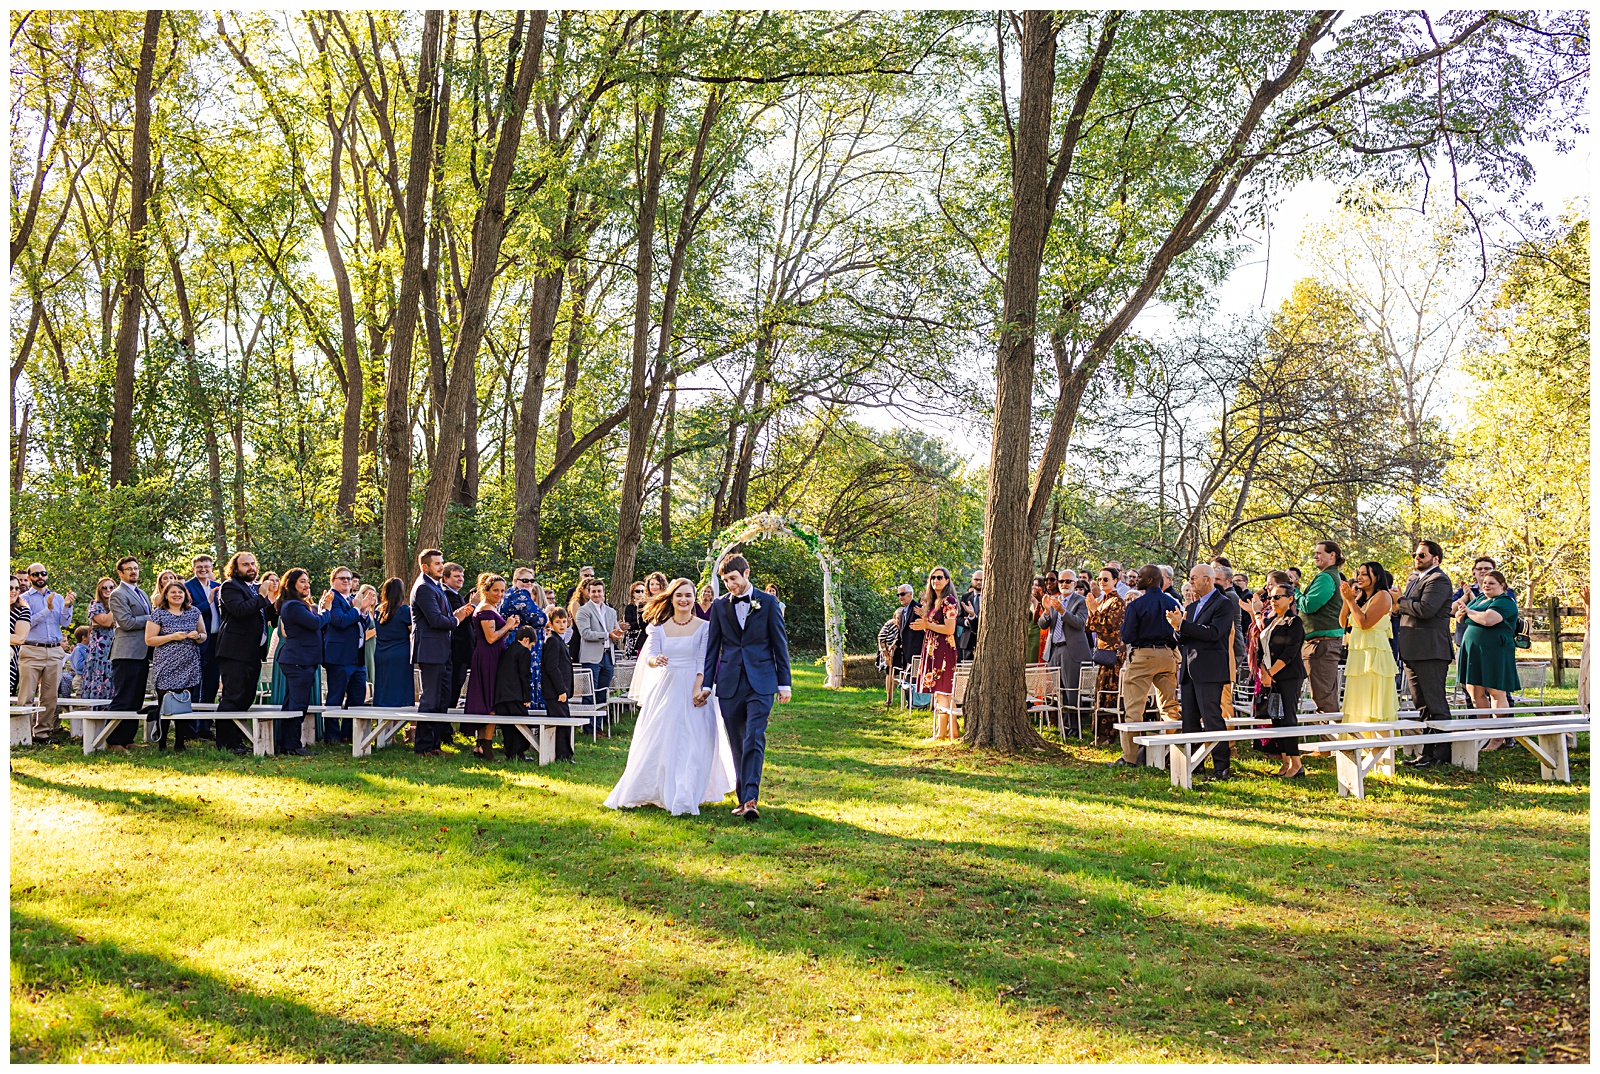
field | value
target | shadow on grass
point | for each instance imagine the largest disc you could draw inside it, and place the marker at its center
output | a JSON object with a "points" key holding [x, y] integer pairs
{"points": [[48, 958]]}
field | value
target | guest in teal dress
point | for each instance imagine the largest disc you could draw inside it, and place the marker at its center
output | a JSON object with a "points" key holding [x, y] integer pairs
{"points": [[526, 600], [1488, 658], [393, 680]]}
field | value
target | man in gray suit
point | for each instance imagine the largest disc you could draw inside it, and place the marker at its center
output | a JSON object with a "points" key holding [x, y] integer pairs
{"points": [[130, 656], [598, 633], [1064, 617], [1423, 635]]}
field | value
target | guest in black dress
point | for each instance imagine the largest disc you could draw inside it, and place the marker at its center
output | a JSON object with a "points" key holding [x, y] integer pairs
{"points": [[1281, 674], [555, 679], [513, 689]]}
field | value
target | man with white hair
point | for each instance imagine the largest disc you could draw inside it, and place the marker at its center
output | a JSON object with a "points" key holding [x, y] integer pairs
{"points": [[1205, 663]]}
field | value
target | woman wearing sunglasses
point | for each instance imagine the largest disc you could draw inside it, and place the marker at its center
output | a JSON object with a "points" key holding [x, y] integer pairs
{"points": [[1280, 674], [97, 658], [937, 621]]}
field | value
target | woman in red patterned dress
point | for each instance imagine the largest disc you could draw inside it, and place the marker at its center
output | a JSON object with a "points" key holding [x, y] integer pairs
{"points": [[937, 620]]}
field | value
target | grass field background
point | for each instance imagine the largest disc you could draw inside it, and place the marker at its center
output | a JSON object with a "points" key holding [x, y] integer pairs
{"points": [[896, 901]]}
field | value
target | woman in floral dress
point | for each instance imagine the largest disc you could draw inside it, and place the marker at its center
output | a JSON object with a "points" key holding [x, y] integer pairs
{"points": [[97, 661], [1105, 623], [525, 599], [937, 620], [174, 634]]}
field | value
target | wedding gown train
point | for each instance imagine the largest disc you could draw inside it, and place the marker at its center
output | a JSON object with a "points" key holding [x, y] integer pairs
{"points": [[679, 757]]}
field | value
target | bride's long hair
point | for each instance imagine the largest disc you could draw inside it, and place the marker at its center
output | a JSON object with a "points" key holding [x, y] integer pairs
{"points": [[658, 609]]}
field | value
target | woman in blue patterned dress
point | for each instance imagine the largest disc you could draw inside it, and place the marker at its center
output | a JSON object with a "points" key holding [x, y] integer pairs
{"points": [[525, 599], [174, 633], [97, 661]]}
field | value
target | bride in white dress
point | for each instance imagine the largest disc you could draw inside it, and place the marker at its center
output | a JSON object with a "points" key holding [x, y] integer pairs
{"points": [[679, 757]]}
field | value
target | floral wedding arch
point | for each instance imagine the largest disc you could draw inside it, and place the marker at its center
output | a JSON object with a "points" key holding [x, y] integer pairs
{"points": [[770, 525]]}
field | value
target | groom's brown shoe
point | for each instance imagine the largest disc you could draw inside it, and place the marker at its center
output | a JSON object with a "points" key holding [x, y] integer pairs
{"points": [[748, 811], [738, 810]]}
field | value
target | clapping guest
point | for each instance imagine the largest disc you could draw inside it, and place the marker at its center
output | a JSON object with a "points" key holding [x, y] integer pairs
{"points": [[39, 661], [1105, 620], [1280, 673], [1152, 662], [936, 618], [367, 605], [1424, 636], [393, 679], [465, 638], [299, 654], [344, 668], [97, 661], [633, 620], [21, 623], [526, 599], [1369, 668], [1488, 657], [204, 592], [433, 628], [130, 656], [596, 624], [1063, 618], [490, 629], [248, 613], [971, 615], [175, 636]]}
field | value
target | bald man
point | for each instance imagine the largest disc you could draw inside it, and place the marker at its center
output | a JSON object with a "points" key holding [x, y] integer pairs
{"points": [[1205, 664]]}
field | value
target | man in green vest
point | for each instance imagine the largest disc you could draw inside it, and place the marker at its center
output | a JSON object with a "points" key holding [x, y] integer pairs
{"points": [[1319, 606]]}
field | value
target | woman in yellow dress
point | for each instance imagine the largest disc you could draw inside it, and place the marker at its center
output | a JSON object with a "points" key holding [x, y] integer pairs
{"points": [[1370, 693]]}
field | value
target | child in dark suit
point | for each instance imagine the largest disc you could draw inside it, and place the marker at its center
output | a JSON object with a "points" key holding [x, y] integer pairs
{"points": [[555, 679], [513, 689]]}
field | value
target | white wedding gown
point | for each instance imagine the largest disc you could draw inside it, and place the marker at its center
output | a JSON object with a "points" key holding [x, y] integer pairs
{"points": [[679, 757]]}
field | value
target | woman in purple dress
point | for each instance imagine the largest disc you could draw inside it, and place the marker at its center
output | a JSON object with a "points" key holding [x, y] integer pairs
{"points": [[489, 639]]}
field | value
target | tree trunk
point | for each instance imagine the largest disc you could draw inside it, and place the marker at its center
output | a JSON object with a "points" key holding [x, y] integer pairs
{"points": [[581, 282], [996, 702], [397, 394], [668, 442], [488, 233], [20, 448], [629, 530], [467, 491], [546, 302], [133, 276], [202, 404]]}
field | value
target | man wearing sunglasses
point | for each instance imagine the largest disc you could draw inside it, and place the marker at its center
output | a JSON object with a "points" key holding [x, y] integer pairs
{"points": [[39, 658], [1423, 635]]}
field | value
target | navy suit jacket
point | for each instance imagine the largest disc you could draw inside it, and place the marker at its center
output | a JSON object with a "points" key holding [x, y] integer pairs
{"points": [[301, 629], [246, 614], [756, 656], [1203, 639], [431, 623], [201, 599], [341, 638]]}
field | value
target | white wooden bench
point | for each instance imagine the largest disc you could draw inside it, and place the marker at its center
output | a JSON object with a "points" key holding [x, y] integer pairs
{"points": [[259, 724], [1187, 752], [1546, 741], [1464, 752], [22, 723], [370, 725], [1156, 756]]}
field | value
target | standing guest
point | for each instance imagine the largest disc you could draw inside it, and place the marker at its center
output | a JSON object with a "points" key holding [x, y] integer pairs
{"points": [[1319, 605], [1424, 636], [1294, 582], [1488, 646], [1280, 672], [205, 593], [1206, 669], [1369, 671], [433, 627], [176, 635], [1064, 618], [772, 591], [971, 612], [21, 623], [598, 633], [464, 639], [1228, 585], [1036, 608], [489, 641], [936, 618], [555, 680], [526, 600], [367, 605], [702, 607], [1105, 620], [654, 584], [248, 613], [300, 653], [512, 693], [1186, 593], [1123, 588], [1152, 662], [130, 656], [393, 679], [906, 643], [344, 668], [1166, 580], [39, 659], [633, 621], [888, 634], [97, 662], [1465, 595], [78, 661]]}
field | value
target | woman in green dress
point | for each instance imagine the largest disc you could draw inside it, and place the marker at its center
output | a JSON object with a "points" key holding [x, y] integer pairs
{"points": [[1488, 666]]}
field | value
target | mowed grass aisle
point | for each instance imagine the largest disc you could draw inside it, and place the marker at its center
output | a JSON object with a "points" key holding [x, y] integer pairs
{"points": [[895, 902]]}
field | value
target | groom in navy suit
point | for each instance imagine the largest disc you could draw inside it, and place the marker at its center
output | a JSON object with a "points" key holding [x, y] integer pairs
{"points": [[747, 660]]}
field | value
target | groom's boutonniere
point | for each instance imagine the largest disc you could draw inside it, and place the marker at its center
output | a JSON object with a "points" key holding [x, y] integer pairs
{"points": [[755, 605]]}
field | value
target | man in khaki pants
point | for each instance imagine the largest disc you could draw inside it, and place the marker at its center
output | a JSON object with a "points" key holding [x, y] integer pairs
{"points": [[1152, 662], [39, 657]]}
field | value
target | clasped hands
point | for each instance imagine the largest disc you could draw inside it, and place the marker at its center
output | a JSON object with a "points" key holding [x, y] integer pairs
{"points": [[1175, 618]]}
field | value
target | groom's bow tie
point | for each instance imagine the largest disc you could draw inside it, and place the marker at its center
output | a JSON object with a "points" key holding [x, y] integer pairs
{"points": [[742, 600]]}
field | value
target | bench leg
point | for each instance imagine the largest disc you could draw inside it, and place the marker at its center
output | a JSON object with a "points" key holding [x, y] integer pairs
{"points": [[362, 733], [1156, 756], [262, 738], [22, 730], [1351, 784], [1179, 764], [93, 734], [547, 744], [1384, 763], [1465, 754], [1552, 753]]}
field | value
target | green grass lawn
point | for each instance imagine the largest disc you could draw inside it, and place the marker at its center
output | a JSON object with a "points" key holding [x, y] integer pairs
{"points": [[896, 901]]}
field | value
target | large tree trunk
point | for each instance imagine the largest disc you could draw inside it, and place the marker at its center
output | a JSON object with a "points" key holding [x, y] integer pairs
{"points": [[581, 282], [488, 233], [397, 395], [541, 335], [133, 277], [202, 404], [996, 702], [629, 530]]}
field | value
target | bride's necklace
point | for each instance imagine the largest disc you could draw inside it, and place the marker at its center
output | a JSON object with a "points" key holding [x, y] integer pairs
{"points": [[681, 622]]}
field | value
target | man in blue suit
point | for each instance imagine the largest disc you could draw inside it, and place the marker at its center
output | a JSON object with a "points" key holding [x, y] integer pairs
{"points": [[205, 593], [432, 625], [747, 660], [1206, 661], [343, 669]]}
